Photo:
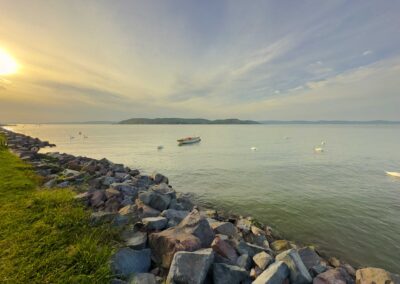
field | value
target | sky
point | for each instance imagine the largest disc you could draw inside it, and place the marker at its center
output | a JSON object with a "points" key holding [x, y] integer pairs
{"points": [[263, 60]]}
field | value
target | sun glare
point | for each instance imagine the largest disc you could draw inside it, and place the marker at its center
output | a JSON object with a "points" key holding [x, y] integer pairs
{"points": [[8, 65]]}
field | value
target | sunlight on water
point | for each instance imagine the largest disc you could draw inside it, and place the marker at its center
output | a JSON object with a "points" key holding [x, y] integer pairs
{"points": [[339, 199]]}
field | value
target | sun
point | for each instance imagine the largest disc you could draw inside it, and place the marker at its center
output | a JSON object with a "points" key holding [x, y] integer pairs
{"points": [[8, 65]]}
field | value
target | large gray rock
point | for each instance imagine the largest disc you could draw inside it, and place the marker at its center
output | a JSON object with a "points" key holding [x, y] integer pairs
{"points": [[127, 261], [312, 261], [229, 274], [155, 223], [98, 198], [143, 278], [126, 188], [276, 273], [250, 249], [174, 216], [198, 226], [224, 228], [156, 199], [159, 178], [262, 260], [376, 275], [224, 249], [298, 272], [135, 240], [244, 261], [190, 267]]}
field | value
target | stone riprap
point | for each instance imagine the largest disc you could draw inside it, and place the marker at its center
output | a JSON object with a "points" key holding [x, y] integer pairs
{"points": [[167, 239]]}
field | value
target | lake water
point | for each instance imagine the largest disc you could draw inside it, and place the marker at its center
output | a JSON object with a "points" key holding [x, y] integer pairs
{"points": [[339, 200]]}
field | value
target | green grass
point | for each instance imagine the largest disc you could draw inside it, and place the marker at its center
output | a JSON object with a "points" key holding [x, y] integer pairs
{"points": [[44, 234]]}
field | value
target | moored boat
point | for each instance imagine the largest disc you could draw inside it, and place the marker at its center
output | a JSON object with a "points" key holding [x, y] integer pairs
{"points": [[188, 140]]}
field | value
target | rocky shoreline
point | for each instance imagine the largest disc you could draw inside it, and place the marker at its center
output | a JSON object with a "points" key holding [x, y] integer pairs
{"points": [[168, 239]]}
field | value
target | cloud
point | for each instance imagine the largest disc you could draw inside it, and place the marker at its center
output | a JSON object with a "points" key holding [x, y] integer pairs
{"points": [[367, 52]]}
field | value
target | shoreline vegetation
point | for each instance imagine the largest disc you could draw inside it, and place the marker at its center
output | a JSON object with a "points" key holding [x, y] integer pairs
{"points": [[164, 237], [185, 121]]}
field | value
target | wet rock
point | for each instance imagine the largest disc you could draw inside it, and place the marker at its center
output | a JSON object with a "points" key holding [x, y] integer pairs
{"points": [[159, 178], [126, 262], [224, 249], [298, 271], [376, 275], [262, 260], [257, 231], [280, 245], [334, 276], [190, 267], [166, 243], [229, 274], [311, 259], [174, 216], [225, 228], [334, 261], [276, 273], [155, 223], [249, 249], [143, 278], [182, 202], [244, 261], [197, 225]]}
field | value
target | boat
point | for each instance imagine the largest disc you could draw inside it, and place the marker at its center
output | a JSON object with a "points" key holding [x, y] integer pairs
{"points": [[188, 140], [318, 149], [393, 174]]}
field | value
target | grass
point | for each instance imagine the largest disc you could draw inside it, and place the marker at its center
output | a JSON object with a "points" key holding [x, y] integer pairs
{"points": [[44, 234]]}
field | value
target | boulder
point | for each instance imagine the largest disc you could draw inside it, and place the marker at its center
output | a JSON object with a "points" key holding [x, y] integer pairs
{"points": [[135, 240], [229, 274], [142, 278], [174, 216], [311, 259], [222, 248], [225, 228], [262, 260], [107, 181], [276, 273], [197, 225], [298, 271], [280, 245], [126, 262], [190, 267], [155, 223], [244, 224], [376, 275], [126, 188], [112, 205], [244, 261], [335, 276], [159, 178], [157, 200], [101, 217], [111, 192], [166, 243], [98, 198], [249, 249]]}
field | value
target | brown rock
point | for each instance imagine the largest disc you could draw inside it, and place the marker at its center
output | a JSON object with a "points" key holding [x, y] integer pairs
{"points": [[198, 225], [376, 275], [224, 249], [280, 245], [334, 276], [166, 243]]}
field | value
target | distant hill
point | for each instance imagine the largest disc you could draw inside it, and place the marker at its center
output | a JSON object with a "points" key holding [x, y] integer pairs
{"points": [[186, 121], [328, 122]]}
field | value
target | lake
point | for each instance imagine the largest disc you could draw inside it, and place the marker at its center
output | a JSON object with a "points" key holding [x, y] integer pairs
{"points": [[340, 200]]}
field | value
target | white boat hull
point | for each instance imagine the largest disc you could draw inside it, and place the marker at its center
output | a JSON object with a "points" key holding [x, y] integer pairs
{"points": [[393, 174], [189, 141]]}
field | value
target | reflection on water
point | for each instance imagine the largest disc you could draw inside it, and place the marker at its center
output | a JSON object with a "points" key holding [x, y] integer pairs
{"points": [[339, 199]]}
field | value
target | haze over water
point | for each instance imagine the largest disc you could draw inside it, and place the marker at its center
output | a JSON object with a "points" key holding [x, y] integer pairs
{"points": [[340, 200]]}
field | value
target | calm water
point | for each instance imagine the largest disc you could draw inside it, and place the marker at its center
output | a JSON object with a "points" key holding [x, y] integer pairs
{"points": [[340, 200]]}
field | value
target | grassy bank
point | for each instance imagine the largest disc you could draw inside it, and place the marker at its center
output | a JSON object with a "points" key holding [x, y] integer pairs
{"points": [[44, 234]]}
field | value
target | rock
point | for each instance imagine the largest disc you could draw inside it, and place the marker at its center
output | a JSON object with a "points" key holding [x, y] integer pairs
{"points": [[112, 205], [376, 275], [244, 224], [334, 261], [98, 198], [51, 183], [183, 202], [257, 231], [82, 197], [174, 216], [280, 245], [101, 217], [127, 261], [155, 223], [159, 201], [145, 211], [255, 272], [259, 240], [63, 184], [126, 188], [128, 210], [190, 267], [298, 271], [166, 243], [71, 173], [224, 249], [311, 259], [249, 249], [229, 274], [350, 270], [159, 178], [136, 240], [262, 260], [225, 228], [244, 261], [276, 273], [143, 278], [334, 276], [197, 225], [108, 180], [111, 192]]}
